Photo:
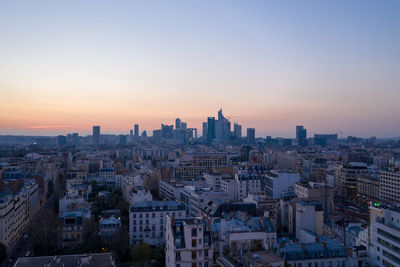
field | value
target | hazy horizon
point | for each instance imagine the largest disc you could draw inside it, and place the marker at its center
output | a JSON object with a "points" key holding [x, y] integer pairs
{"points": [[330, 66]]}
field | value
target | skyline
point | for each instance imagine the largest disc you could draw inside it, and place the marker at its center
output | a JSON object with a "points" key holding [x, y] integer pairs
{"points": [[332, 67]]}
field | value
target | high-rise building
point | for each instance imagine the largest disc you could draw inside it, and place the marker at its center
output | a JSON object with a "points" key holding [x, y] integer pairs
{"points": [[222, 127], [131, 132], [204, 130], [96, 135], [237, 130], [167, 130], [62, 140], [136, 127], [251, 135], [301, 135], [210, 129], [183, 125], [177, 124], [122, 139], [75, 139]]}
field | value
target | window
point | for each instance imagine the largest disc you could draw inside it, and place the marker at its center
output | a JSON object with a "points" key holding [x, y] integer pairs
{"points": [[205, 253], [194, 231], [194, 255], [194, 243]]}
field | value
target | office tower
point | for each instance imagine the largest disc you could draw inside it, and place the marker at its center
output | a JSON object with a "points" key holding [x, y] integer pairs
{"points": [[204, 130], [96, 135], [177, 124], [144, 133], [222, 127], [210, 129], [62, 140], [122, 139], [131, 132], [301, 135], [237, 130], [183, 125], [75, 139], [220, 115], [167, 131], [136, 127], [251, 135]]}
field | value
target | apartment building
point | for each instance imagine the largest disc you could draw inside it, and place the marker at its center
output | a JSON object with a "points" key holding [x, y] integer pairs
{"points": [[147, 220], [389, 185], [188, 243]]}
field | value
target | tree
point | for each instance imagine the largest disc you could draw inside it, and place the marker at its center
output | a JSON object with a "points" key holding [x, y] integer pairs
{"points": [[90, 236], [141, 254], [44, 233], [120, 243], [152, 182]]}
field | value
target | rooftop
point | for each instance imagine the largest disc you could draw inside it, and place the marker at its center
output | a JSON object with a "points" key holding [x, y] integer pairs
{"points": [[92, 260]]}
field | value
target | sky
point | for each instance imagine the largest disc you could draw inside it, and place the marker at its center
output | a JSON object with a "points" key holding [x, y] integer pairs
{"points": [[332, 66]]}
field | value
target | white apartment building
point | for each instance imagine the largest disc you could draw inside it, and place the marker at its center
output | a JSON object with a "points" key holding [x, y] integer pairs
{"points": [[188, 243], [16, 209], [309, 216], [170, 190], [139, 194], [384, 237], [232, 187], [194, 198], [249, 184], [108, 174], [147, 220], [276, 182], [252, 233]]}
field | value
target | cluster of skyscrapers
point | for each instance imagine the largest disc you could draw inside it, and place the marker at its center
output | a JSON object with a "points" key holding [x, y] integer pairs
{"points": [[220, 130]]}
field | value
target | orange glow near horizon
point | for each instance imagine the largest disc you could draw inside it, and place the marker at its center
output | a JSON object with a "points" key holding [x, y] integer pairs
{"points": [[66, 66]]}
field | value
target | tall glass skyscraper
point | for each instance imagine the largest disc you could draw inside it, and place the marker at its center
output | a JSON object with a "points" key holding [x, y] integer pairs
{"points": [[96, 135], [210, 129]]}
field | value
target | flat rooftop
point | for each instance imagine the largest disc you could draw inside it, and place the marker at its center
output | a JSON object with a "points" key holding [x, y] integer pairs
{"points": [[87, 260]]}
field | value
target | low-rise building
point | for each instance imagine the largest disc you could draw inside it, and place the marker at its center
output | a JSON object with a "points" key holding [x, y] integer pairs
{"points": [[87, 260], [276, 182], [109, 226], [313, 250]]}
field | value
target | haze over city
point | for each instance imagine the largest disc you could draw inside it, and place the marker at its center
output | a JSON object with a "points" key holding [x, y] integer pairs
{"points": [[333, 67]]}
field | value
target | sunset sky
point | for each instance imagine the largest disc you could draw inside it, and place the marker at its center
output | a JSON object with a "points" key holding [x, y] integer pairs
{"points": [[332, 66]]}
